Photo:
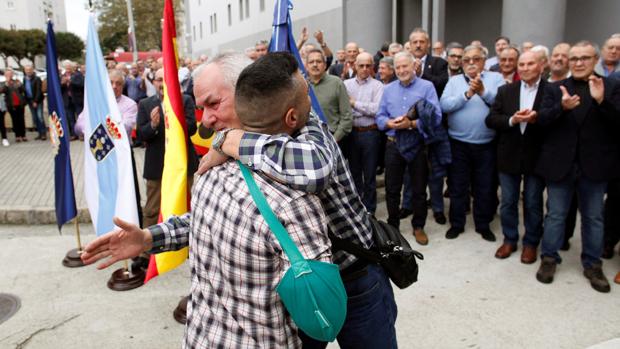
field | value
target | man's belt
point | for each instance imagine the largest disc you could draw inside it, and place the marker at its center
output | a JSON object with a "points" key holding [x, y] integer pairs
{"points": [[365, 128]]}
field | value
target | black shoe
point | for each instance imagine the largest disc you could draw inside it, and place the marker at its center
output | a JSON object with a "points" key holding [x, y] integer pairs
{"points": [[486, 234], [428, 204], [380, 171], [453, 233], [547, 270], [597, 278], [404, 213], [439, 218], [565, 246], [608, 252]]}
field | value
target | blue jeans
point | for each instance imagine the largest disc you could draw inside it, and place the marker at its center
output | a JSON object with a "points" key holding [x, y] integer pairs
{"points": [[533, 187], [435, 188], [37, 118], [371, 314], [363, 161], [590, 196], [472, 165]]}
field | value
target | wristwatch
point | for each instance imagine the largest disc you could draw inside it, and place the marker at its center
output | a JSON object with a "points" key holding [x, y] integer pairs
{"points": [[219, 139]]}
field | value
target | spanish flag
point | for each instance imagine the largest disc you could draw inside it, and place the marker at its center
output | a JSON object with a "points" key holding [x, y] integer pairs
{"points": [[174, 189]]}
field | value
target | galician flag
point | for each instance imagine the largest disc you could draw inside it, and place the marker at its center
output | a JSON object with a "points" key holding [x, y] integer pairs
{"points": [[63, 178], [108, 174], [174, 190]]}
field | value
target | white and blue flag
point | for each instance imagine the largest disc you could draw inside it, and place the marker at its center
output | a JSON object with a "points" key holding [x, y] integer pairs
{"points": [[108, 174]]}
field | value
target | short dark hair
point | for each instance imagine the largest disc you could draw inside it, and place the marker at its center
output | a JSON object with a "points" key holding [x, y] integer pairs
{"points": [[501, 37], [265, 90], [454, 44], [385, 47]]}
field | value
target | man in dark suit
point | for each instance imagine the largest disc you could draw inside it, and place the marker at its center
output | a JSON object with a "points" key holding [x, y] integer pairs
{"points": [[346, 70], [34, 99], [151, 132], [580, 153], [519, 137], [72, 86]]}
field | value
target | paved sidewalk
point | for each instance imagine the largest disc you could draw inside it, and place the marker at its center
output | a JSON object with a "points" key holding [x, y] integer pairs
{"points": [[27, 181]]}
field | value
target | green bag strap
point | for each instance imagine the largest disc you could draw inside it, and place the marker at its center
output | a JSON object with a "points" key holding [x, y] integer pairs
{"points": [[274, 224]]}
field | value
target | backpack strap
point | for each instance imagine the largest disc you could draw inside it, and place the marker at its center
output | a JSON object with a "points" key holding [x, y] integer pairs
{"points": [[274, 224]]}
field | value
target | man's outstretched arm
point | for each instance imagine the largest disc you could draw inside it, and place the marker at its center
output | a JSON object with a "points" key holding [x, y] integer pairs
{"points": [[130, 241]]}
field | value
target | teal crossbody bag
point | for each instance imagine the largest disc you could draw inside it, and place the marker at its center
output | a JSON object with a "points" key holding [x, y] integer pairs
{"points": [[312, 291]]}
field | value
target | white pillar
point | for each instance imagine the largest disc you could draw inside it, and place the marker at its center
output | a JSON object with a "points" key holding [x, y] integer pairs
{"points": [[438, 22]]}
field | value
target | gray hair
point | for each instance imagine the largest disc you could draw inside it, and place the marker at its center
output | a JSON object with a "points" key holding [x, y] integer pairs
{"points": [[117, 73], [482, 49], [452, 45], [249, 50], [420, 30], [395, 46], [230, 63], [585, 43], [541, 49], [405, 54], [387, 60]]}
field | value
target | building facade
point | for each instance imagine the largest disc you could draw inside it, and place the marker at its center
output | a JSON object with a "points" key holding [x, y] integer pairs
{"points": [[214, 26], [32, 14]]}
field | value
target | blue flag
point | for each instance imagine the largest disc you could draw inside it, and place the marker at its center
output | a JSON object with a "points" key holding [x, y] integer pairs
{"points": [[63, 177], [282, 40], [108, 174]]}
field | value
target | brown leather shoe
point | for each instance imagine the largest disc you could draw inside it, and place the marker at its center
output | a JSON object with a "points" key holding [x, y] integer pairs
{"points": [[420, 236], [617, 279], [505, 250], [528, 255]]}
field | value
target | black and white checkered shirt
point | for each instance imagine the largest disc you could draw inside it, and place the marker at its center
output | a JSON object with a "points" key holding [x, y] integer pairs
{"points": [[236, 261], [311, 161]]}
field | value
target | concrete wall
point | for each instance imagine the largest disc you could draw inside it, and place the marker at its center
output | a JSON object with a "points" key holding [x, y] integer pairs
{"points": [[593, 20], [409, 16], [541, 22], [367, 22], [473, 19]]}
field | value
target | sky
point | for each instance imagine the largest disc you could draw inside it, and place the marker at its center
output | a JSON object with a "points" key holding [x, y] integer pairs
{"points": [[77, 17]]}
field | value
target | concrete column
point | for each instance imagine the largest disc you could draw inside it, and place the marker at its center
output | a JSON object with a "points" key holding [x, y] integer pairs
{"points": [[438, 20], [541, 22], [368, 22], [426, 4]]}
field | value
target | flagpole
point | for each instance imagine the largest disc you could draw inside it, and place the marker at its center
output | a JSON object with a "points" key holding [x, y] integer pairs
{"points": [[73, 257], [132, 35]]}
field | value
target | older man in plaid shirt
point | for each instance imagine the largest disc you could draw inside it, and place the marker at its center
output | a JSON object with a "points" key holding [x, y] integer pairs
{"points": [[310, 161]]}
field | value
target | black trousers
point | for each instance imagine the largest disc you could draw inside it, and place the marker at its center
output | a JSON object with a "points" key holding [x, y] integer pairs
{"points": [[19, 124], [2, 126], [395, 166]]}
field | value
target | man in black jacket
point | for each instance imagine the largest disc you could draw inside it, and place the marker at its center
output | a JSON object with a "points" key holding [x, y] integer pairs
{"points": [[519, 138], [151, 132], [34, 99], [580, 153]]}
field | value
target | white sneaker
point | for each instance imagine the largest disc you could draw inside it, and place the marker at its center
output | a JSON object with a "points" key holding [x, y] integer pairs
{"points": [[5, 142]]}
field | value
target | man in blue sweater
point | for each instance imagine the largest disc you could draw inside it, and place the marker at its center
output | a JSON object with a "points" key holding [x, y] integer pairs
{"points": [[466, 100]]}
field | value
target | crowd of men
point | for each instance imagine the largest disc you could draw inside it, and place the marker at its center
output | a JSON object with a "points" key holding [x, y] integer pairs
{"points": [[497, 129]]}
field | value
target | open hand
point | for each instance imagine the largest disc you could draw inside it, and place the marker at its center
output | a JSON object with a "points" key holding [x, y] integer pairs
{"points": [[128, 242], [597, 88], [569, 102]]}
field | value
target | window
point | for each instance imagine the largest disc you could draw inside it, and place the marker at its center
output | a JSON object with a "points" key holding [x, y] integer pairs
{"points": [[13, 27], [10, 4], [247, 8], [200, 30], [262, 5], [229, 15], [240, 10]]}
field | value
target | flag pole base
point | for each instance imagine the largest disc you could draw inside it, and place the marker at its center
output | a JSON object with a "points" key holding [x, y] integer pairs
{"points": [[72, 259], [124, 280], [180, 313]]}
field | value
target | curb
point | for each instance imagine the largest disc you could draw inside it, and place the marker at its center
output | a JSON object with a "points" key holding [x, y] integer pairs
{"points": [[26, 215]]}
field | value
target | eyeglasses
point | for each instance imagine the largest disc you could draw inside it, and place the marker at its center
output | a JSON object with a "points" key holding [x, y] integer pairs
{"points": [[474, 60], [364, 65], [582, 59], [455, 56]]}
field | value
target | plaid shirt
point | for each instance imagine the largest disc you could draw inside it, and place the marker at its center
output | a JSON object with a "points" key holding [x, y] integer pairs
{"points": [[236, 261], [311, 161]]}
